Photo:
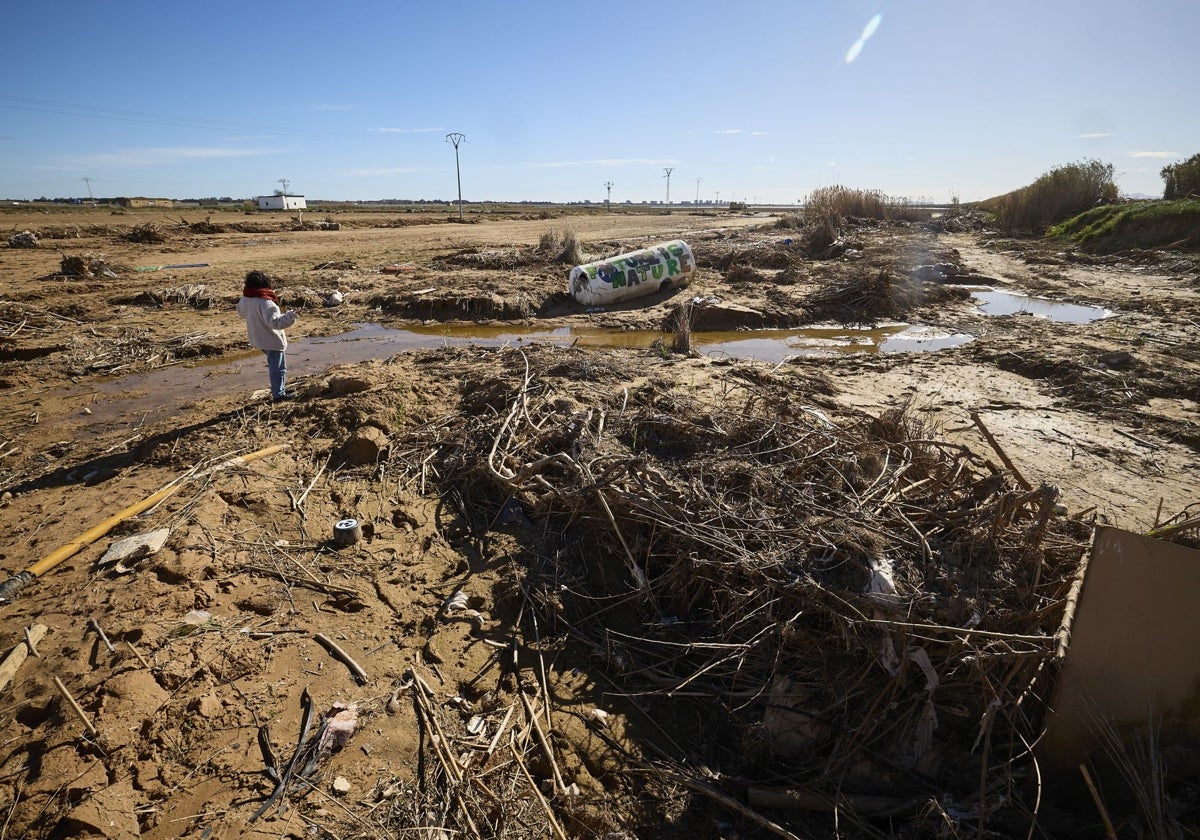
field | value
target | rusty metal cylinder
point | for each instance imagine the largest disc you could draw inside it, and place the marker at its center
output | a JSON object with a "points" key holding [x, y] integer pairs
{"points": [[654, 268]]}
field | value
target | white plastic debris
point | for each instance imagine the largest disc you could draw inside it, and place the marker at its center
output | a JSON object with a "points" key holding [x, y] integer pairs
{"points": [[919, 656], [882, 582], [339, 728], [598, 717], [456, 602], [136, 547]]}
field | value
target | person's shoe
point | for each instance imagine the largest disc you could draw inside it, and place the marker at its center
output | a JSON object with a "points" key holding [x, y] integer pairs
{"points": [[284, 397]]}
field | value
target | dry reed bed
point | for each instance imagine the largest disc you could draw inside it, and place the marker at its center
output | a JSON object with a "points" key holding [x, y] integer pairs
{"points": [[875, 607]]}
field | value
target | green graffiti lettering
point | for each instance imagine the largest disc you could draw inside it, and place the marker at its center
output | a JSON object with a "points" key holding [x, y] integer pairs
{"points": [[675, 248], [618, 279], [656, 271], [672, 268]]}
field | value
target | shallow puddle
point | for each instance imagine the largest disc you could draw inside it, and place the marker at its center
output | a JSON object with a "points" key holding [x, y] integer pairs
{"points": [[131, 400], [995, 302]]}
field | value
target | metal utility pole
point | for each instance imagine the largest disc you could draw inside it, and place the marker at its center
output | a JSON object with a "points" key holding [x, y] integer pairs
{"points": [[285, 183], [88, 181], [455, 138], [697, 192], [608, 201], [718, 198], [668, 170]]}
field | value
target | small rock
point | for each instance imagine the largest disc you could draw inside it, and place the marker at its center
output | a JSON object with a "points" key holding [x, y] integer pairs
{"points": [[365, 447], [341, 786], [208, 706], [1118, 360]]}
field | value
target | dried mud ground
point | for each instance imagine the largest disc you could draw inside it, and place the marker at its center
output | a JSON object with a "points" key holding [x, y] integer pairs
{"points": [[114, 384]]}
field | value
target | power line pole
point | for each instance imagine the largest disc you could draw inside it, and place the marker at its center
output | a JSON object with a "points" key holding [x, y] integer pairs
{"points": [[285, 183], [668, 170], [697, 192], [608, 185], [455, 138], [88, 181]]}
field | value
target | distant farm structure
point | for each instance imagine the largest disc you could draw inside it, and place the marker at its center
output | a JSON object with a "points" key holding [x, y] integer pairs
{"points": [[281, 201], [145, 202]]}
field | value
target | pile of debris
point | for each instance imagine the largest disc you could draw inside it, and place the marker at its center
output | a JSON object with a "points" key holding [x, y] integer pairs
{"points": [[869, 606], [147, 234], [86, 265], [24, 239]]}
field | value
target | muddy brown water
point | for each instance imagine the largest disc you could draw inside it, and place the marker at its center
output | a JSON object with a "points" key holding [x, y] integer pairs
{"points": [[133, 400]]}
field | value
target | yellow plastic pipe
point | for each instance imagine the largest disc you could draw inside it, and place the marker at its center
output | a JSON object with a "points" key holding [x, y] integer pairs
{"points": [[87, 538]]}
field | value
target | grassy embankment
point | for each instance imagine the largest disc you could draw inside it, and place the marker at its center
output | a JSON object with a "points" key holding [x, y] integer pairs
{"points": [[1142, 224]]}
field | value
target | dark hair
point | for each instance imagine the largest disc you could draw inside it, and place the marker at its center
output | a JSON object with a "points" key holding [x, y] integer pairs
{"points": [[258, 280]]}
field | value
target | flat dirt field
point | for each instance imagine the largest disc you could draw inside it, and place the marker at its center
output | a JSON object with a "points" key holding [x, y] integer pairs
{"points": [[606, 587]]}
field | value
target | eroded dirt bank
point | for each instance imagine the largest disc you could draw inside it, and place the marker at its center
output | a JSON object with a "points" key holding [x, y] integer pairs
{"points": [[602, 513]]}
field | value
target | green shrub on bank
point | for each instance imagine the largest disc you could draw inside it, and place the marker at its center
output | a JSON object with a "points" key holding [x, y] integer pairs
{"points": [[1059, 194], [1182, 179], [1142, 224]]}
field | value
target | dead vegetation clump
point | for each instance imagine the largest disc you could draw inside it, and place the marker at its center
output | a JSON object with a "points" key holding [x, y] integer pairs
{"points": [[871, 607], [193, 295], [866, 295], [86, 265], [109, 352], [147, 234], [743, 274], [205, 227], [562, 247]]}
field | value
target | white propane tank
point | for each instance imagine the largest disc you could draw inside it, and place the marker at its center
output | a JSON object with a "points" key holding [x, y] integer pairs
{"points": [[633, 275]]}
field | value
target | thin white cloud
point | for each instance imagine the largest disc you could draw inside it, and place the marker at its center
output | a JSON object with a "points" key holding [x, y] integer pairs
{"points": [[383, 130], [563, 164], [322, 106], [1094, 135], [740, 131], [158, 156], [1154, 154], [367, 172]]}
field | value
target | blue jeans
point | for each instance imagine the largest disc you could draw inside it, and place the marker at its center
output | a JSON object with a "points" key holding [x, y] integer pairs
{"points": [[277, 371]]}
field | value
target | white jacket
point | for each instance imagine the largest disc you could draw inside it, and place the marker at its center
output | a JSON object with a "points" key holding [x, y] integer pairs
{"points": [[265, 323]]}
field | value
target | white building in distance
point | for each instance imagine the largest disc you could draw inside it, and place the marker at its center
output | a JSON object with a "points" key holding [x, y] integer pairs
{"points": [[281, 202]]}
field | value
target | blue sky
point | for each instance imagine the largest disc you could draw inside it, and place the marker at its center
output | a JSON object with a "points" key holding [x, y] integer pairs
{"points": [[760, 100]]}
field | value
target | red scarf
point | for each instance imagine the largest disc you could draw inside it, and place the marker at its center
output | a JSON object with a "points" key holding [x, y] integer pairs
{"points": [[266, 294]]}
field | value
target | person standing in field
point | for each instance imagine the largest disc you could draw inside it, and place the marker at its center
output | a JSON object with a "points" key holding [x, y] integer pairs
{"points": [[265, 325]]}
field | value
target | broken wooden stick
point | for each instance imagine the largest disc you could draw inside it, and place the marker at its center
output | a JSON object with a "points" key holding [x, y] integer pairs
{"points": [[330, 645], [75, 707], [138, 655], [1012, 468], [94, 626], [16, 658], [558, 832]]}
